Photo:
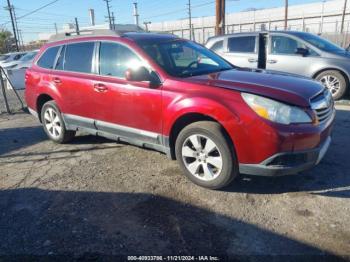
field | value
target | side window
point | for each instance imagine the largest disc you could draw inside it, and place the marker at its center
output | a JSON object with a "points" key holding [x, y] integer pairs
{"points": [[60, 60], [218, 46], [242, 44], [47, 60], [115, 59], [285, 45], [78, 57]]}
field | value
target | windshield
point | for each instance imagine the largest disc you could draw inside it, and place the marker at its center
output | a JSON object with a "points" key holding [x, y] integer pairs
{"points": [[181, 58], [321, 43], [28, 57]]}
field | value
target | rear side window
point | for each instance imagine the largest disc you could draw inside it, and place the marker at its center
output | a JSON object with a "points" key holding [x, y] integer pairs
{"points": [[78, 57], [218, 46], [47, 60], [242, 44]]}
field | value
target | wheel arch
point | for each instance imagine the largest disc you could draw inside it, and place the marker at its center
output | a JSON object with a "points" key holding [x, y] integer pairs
{"points": [[340, 70], [184, 120], [41, 100]]}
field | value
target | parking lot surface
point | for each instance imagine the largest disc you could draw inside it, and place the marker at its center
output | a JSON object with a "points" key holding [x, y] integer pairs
{"points": [[96, 196]]}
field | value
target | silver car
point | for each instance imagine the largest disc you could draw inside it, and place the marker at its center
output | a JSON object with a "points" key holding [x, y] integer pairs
{"points": [[288, 51]]}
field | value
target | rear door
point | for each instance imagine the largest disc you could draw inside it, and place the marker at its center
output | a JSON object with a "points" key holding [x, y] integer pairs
{"points": [[74, 77], [242, 50], [282, 55]]}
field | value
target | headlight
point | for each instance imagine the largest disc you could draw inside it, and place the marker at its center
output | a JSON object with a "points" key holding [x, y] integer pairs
{"points": [[276, 111]]}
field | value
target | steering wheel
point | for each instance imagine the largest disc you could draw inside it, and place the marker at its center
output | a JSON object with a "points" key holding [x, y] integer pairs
{"points": [[192, 64]]}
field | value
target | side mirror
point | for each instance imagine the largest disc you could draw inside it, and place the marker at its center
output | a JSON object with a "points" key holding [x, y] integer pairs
{"points": [[140, 74], [302, 51]]}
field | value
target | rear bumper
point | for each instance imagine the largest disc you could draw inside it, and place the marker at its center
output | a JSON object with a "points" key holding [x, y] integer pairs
{"points": [[287, 163]]}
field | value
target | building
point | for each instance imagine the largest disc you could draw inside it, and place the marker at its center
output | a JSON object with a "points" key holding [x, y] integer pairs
{"points": [[321, 18]]}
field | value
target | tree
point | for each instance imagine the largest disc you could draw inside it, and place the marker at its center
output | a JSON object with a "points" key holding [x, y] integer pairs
{"points": [[5, 40]]}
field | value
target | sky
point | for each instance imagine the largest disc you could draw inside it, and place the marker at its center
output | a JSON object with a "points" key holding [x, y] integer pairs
{"points": [[64, 11]]}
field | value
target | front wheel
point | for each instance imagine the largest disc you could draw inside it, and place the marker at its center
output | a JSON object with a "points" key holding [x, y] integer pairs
{"points": [[54, 125], [335, 82], [206, 155]]}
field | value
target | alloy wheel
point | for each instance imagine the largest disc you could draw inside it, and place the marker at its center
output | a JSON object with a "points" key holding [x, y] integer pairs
{"points": [[332, 83], [202, 157], [52, 122]]}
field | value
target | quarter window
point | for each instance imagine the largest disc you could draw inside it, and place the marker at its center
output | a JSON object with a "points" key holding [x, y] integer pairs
{"points": [[78, 57], [242, 44], [47, 60], [115, 59], [218, 46]]}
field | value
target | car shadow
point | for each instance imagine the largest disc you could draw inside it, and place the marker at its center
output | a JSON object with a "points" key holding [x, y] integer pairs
{"points": [[12, 139], [15, 138], [87, 225], [330, 178]]}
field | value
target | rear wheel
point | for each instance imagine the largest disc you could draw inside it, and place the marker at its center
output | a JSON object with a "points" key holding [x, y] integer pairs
{"points": [[206, 155], [335, 82], [54, 125]]}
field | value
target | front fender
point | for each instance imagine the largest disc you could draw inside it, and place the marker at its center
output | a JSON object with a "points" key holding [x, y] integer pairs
{"points": [[205, 106]]}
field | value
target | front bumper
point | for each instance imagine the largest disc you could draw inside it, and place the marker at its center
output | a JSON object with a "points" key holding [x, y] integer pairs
{"points": [[287, 163]]}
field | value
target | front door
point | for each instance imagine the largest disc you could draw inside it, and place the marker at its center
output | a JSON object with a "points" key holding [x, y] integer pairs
{"points": [[282, 55], [122, 107]]}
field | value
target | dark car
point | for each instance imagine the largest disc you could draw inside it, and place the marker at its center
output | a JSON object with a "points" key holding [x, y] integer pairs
{"points": [[175, 96]]}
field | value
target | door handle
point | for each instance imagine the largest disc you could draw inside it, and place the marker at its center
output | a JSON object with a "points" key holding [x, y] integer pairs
{"points": [[252, 60], [100, 88], [272, 61], [56, 80]]}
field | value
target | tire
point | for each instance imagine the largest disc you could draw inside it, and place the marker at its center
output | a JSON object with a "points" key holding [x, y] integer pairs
{"points": [[51, 117], [335, 82], [202, 165]]}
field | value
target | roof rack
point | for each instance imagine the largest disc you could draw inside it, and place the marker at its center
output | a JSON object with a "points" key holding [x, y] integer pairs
{"points": [[84, 33]]}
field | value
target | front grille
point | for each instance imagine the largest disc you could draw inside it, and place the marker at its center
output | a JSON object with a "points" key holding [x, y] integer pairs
{"points": [[323, 106]]}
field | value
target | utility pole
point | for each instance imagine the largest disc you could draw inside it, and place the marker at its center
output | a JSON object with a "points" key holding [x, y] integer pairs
{"points": [[9, 7], [146, 25], [343, 17], [136, 14], [190, 18], [56, 28], [286, 15], [77, 26], [220, 17], [113, 21], [109, 13], [16, 25]]}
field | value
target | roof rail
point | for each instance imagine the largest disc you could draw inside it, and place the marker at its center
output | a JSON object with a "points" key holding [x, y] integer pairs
{"points": [[84, 33]]}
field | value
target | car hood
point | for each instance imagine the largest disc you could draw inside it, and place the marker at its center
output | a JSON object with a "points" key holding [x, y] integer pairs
{"points": [[280, 86]]}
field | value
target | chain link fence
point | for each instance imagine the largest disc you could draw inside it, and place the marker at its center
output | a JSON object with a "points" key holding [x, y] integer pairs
{"points": [[11, 100], [327, 29]]}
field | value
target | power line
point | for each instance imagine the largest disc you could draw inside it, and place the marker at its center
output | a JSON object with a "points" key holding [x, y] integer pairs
{"points": [[32, 12], [38, 9]]}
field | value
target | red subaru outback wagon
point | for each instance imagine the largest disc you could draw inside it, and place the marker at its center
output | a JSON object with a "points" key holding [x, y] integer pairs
{"points": [[175, 96]]}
